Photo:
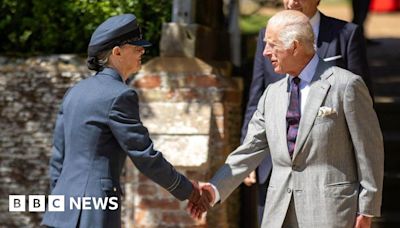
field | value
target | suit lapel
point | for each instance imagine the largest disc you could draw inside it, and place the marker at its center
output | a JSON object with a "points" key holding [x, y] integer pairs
{"points": [[282, 100], [318, 89], [325, 33]]}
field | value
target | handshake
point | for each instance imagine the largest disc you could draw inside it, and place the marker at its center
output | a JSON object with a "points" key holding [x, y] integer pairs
{"points": [[201, 199]]}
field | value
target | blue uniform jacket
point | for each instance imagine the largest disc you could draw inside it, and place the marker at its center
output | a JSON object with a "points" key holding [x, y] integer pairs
{"points": [[97, 127]]}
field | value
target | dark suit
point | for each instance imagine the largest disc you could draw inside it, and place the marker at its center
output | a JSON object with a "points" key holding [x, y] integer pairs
{"points": [[98, 126], [360, 11], [336, 37]]}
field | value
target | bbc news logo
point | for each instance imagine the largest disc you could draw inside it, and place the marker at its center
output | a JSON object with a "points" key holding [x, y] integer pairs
{"points": [[37, 203]]}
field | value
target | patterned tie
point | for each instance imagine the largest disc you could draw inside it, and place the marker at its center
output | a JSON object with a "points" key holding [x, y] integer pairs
{"points": [[293, 115]]}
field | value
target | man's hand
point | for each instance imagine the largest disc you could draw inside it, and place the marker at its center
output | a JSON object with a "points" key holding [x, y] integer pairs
{"points": [[363, 221], [197, 208], [251, 179], [208, 192]]}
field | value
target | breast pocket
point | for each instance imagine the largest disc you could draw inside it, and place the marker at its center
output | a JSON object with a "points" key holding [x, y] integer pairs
{"points": [[325, 119]]}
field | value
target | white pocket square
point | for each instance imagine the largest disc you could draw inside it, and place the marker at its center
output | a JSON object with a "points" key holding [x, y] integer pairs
{"points": [[332, 58], [325, 111]]}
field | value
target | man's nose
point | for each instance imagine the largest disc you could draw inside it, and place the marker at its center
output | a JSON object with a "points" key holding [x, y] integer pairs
{"points": [[293, 3], [267, 51]]}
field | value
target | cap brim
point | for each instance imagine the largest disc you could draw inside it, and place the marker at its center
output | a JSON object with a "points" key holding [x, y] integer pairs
{"points": [[143, 43]]}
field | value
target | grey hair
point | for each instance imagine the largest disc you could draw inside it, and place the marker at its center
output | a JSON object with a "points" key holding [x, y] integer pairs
{"points": [[103, 57], [99, 62], [293, 25]]}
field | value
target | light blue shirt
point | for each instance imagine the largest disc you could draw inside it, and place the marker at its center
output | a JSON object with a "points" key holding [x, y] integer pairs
{"points": [[306, 76]]}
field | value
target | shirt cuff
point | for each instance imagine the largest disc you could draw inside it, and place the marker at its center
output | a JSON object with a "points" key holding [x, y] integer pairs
{"points": [[217, 196], [370, 216]]}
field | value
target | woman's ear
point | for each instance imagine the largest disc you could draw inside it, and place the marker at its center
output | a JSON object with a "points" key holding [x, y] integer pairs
{"points": [[116, 51]]}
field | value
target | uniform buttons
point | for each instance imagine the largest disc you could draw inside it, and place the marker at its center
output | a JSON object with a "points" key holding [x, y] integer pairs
{"points": [[114, 189], [289, 190]]}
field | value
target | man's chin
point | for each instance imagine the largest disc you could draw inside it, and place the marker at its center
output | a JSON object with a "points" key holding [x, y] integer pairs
{"points": [[278, 71]]}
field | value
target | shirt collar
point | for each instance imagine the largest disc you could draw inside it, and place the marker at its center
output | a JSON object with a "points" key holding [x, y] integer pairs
{"points": [[315, 21], [308, 72]]}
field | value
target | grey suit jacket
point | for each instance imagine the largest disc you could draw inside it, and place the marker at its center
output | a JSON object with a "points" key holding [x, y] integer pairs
{"points": [[98, 126], [336, 38], [337, 166]]}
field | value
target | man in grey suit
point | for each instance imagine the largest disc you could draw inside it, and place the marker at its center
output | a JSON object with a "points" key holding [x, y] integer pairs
{"points": [[340, 42], [319, 126], [98, 126]]}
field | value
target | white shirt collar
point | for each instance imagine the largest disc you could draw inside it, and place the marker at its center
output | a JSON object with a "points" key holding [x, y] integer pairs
{"points": [[308, 72], [315, 21]]}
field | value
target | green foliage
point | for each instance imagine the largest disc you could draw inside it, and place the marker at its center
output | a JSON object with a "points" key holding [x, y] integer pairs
{"points": [[57, 26], [253, 23]]}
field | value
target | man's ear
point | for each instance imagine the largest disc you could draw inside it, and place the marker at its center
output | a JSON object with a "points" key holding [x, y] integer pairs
{"points": [[295, 47]]}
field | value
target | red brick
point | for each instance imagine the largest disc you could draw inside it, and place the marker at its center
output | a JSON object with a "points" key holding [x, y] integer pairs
{"points": [[170, 94], [165, 194], [146, 189], [140, 215], [218, 109], [146, 218], [196, 175], [143, 178], [202, 81], [190, 95], [159, 204], [180, 217], [148, 82], [232, 96]]}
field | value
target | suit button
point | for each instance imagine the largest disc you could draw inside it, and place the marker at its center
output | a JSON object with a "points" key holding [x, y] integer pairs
{"points": [[289, 190]]}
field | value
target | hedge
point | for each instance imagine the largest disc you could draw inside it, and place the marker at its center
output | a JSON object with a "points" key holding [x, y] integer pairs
{"points": [[65, 26]]}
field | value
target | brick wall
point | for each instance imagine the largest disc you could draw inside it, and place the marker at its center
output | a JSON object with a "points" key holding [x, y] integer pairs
{"points": [[31, 90], [192, 113]]}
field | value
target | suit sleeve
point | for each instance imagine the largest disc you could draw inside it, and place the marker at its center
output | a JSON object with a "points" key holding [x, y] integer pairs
{"points": [[58, 150], [368, 145], [246, 157], [133, 137], [257, 86], [357, 57]]}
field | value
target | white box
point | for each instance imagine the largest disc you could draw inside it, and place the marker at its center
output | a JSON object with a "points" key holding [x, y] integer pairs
{"points": [[56, 203], [37, 203], [16, 203]]}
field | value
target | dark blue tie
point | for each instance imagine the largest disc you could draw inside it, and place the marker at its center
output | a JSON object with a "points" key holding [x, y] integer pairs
{"points": [[293, 114]]}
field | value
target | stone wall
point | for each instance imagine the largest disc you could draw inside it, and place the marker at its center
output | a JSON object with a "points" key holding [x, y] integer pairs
{"points": [[31, 90], [193, 117]]}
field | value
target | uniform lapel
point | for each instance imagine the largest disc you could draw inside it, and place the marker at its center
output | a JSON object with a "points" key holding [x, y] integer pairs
{"points": [[318, 89]]}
